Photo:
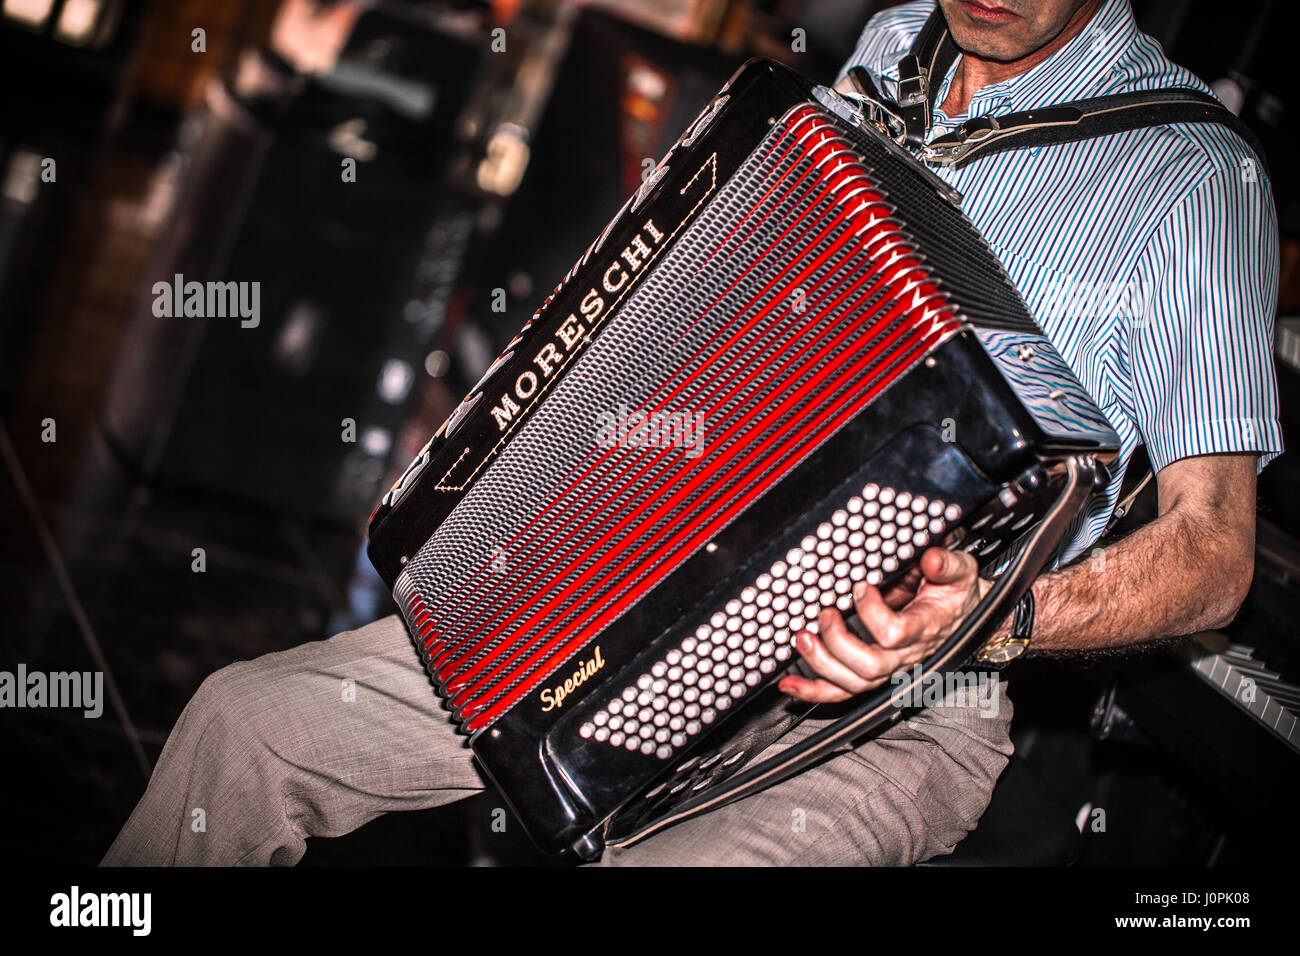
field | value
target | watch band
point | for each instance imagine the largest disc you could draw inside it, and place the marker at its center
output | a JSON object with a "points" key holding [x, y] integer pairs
{"points": [[999, 652]]}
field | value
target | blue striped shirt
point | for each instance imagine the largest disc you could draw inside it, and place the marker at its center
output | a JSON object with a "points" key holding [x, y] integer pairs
{"points": [[1150, 258]]}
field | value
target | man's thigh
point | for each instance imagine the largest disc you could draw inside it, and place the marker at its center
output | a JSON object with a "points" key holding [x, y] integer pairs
{"points": [[344, 730], [911, 793], [312, 741], [359, 709]]}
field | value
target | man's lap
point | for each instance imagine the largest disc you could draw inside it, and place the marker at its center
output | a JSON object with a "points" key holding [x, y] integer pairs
{"points": [[326, 736]]}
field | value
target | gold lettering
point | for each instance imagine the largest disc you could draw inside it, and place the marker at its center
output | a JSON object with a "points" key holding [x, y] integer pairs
{"points": [[592, 304], [655, 234], [552, 699], [570, 331], [609, 287], [547, 357], [635, 253], [504, 412]]}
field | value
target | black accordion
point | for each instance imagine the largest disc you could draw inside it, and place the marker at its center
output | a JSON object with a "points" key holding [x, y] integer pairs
{"points": [[787, 365]]}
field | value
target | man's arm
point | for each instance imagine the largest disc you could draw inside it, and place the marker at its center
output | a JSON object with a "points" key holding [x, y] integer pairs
{"points": [[1187, 570]]}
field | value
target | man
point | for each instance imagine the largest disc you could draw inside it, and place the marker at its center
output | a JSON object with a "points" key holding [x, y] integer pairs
{"points": [[1178, 218]]}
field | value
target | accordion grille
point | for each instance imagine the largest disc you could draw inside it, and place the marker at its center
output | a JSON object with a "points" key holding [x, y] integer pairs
{"points": [[790, 301]]}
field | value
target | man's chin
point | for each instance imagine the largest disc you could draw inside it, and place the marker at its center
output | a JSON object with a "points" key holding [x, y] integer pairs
{"points": [[979, 44]]}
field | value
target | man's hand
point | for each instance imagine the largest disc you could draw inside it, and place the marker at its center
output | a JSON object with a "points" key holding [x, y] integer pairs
{"points": [[906, 625]]}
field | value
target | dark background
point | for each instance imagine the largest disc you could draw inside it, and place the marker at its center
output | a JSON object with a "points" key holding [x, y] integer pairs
{"points": [[481, 176]]}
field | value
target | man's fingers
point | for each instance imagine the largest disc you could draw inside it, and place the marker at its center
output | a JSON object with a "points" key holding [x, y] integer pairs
{"points": [[814, 691], [865, 660], [941, 566], [904, 589], [902, 624], [887, 627], [826, 664]]}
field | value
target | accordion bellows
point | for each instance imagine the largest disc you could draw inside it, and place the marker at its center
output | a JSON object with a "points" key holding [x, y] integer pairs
{"points": [[789, 364]]}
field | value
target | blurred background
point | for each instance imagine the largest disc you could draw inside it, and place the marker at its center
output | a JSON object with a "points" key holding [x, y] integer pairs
{"points": [[405, 181]]}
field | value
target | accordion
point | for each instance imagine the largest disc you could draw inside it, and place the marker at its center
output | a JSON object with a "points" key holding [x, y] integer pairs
{"points": [[788, 364]]}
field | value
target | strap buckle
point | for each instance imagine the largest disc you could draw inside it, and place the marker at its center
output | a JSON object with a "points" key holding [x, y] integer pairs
{"points": [[976, 129], [913, 99], [913, 90], [952, 149], [946, 154]]}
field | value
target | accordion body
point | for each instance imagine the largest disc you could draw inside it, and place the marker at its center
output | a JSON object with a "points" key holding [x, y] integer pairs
{"points": [[788, 364]]}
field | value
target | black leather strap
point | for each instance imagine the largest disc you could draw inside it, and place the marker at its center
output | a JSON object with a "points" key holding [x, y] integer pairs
{"points": [[920, 75], [1082, 119]]}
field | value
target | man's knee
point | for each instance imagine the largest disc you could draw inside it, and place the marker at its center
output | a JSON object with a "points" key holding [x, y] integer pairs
{"points": [[239, 707]]}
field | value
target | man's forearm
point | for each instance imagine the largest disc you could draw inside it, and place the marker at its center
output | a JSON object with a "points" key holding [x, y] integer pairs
{"points": [[1170, 577], [1188, 570]]}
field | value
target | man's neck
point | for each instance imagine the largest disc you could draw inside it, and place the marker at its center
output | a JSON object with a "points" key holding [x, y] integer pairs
{"points": [[973, 73]]}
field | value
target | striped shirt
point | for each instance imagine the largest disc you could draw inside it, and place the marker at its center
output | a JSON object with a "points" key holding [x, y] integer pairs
{"points": [[1150, 258]]}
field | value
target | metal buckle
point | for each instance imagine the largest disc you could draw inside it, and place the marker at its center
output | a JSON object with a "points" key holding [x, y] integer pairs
{"points": [[979, 132], [946, 154], [912, 90], [1002, 651]]}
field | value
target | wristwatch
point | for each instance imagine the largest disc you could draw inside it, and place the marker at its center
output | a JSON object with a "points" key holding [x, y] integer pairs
{"points": [[1000, 651]]}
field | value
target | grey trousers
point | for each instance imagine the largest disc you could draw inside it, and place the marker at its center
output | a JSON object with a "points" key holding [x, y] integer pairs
{"points": [[317, 740]]}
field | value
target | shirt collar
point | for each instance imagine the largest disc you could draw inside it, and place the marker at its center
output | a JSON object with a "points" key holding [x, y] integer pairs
{"points": [[1075, 71]]}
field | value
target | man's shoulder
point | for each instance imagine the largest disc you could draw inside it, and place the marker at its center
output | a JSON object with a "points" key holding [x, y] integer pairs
{"points": [[1192, 148]]}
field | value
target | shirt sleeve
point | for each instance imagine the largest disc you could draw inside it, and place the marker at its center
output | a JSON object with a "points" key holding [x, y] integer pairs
{"points": [[1201, 352]]}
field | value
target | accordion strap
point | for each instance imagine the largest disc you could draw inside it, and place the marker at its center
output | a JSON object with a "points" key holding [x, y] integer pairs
{"points": [[882, 707], [920, 75], [1082, 119], [1125, 503]]}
